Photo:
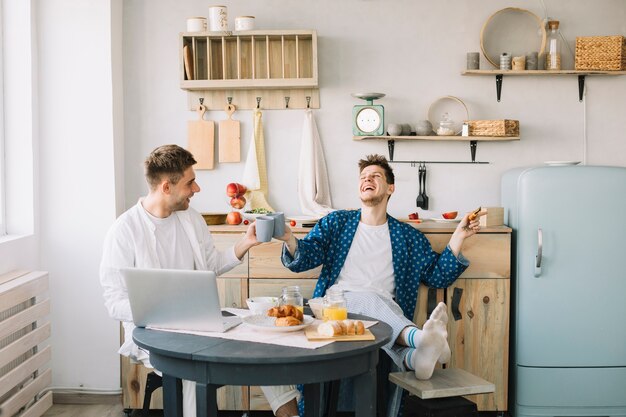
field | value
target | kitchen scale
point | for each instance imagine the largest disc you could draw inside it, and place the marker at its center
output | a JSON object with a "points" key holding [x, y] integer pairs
{"points": [[368, 119]]}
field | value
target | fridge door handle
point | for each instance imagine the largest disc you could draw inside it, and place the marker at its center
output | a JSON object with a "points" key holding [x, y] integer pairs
{"points": [[538, 257]]}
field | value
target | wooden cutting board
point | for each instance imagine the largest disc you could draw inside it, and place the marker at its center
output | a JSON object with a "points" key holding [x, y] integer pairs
{"points": [[229, 137], [312, 335], [188, 60], [201, 140]]}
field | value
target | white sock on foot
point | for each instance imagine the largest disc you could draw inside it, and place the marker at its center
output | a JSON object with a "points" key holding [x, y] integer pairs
{"points": [[433, 344]]}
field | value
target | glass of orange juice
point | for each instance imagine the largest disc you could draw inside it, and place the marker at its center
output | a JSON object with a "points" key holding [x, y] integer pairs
{"points": [[334, 305]]}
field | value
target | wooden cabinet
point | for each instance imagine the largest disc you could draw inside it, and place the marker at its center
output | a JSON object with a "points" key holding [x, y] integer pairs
{"points": [[274, 63], [478, 335]]}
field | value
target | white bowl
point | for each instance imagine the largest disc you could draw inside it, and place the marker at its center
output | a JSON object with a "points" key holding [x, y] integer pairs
{"points": [[253, 216], [260, 305], [317, 306]]}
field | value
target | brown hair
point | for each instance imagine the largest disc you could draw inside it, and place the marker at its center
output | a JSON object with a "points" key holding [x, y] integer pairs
{"points": [[167, 160], [381, 161]]}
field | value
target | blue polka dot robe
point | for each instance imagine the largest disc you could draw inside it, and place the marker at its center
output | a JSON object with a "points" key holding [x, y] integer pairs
{"points": [[413, 259]]}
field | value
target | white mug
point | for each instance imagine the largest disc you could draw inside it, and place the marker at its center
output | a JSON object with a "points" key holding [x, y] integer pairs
{"points": [[244, 23], [196, 24], [218, 19]]}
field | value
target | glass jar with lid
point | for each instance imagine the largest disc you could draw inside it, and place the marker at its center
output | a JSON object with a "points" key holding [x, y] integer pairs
{"points": [[291, 295], [446, 126], [335, 306], [553, 53]]}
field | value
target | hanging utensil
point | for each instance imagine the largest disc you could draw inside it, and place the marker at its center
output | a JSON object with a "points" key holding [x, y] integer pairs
{"points": [[419, 202], [424, 196]]}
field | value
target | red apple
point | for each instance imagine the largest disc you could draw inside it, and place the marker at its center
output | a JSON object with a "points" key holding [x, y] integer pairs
{"points": [[414, 216], [234, 217], [235, 189], [238, 202], [450, 215]]}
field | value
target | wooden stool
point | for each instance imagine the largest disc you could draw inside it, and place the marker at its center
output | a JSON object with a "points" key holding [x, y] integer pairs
{"points": [[449, 383]]}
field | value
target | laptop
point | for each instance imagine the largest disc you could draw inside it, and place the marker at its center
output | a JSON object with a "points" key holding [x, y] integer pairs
{"points": [[176, 299]]}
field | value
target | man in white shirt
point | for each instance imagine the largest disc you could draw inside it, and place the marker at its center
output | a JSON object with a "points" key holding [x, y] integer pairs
{"points": [[162, 231]]}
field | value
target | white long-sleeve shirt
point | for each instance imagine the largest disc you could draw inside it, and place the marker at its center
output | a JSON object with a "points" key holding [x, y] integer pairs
{"points": [[131, 242]]}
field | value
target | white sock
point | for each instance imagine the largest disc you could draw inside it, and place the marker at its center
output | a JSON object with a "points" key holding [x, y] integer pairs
{"points": [[433, 345]]}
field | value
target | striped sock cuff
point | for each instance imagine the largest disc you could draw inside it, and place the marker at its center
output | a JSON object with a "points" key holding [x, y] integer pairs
{"points": [[408, 356], [410, 337]]}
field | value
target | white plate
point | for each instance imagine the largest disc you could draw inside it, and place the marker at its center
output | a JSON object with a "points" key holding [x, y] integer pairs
{"points": [[454, 106], [514, 31], [442, 220], [303, 219], [266, 323], [561, 163]]}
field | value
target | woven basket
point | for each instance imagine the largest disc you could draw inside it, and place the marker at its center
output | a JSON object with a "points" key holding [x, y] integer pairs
{"points": [[601, 53], [493, 127]]}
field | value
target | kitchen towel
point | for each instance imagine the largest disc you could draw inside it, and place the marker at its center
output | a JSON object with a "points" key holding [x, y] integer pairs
{"points": [[313, 185], [255, 171]]}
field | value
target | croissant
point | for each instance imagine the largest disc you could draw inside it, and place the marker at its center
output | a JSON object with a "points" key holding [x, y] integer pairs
{"points": [[273, 312], [474, 214], [287, 321]]}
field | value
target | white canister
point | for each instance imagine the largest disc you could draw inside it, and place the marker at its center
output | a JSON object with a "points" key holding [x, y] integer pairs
{"points": [[244, 23], [196, 24], [218, 18]]}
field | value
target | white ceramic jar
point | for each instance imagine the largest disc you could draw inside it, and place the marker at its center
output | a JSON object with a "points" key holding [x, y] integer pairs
{"points": [[196, 24], [218, 19], [244, 23]]}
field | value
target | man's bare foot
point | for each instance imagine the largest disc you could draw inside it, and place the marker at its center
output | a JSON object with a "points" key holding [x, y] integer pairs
{"points": [[433, 346]]}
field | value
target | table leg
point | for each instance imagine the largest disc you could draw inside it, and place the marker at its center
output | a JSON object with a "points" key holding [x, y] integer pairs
{"points": [[172, 396], [312, 402], [206, 400], [365, 394]]}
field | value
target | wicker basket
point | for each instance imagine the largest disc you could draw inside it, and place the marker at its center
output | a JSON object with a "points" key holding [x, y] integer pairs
{"points": [[601, 53], [493, 127]]}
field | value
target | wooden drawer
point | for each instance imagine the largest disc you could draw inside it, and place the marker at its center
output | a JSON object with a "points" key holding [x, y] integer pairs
{"points": [[489, 253], [224, 241], [273, 287], [265, 262]]}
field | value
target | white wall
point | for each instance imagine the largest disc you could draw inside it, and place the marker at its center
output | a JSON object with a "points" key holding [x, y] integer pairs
{"points": [[77, 177], [411, 50]]}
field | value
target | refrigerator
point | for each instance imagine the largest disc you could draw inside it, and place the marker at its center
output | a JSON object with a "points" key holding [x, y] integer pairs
{"points": [[568, 293]]}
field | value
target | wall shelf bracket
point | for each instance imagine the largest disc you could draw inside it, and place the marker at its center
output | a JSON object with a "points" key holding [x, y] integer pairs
{"points": [[581, 86], [473, 146], [391, 144], [499, 78]]}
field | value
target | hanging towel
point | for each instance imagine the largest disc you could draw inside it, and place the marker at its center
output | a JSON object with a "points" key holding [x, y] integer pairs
{"points": [[255, 172], [313, 186]]}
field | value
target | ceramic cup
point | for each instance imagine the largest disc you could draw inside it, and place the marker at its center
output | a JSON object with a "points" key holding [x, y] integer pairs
{"points": [[473, 60], [196, 24], [519, 63], [218, 18], [244, 23], [264, 228], [531, 61], [279, 223], [505, 61]]}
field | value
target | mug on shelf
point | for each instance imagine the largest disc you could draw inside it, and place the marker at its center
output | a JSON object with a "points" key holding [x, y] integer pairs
{"points": [[244, 23], [218, 18], [196, 24]]}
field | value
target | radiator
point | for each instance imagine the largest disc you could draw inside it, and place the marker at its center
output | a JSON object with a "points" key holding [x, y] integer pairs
{"points": [[24, 353]]}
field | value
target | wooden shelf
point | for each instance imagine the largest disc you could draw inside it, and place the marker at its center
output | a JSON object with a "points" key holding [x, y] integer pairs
{"points": [[279, 67], [435, 138], [473, 141], [500, 73]]}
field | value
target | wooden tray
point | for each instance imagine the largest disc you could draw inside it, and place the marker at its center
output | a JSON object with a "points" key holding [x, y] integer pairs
{"points": [[311, 334]]}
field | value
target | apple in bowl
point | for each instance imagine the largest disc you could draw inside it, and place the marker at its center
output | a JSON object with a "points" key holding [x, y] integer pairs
{"points": [[450, 215]]}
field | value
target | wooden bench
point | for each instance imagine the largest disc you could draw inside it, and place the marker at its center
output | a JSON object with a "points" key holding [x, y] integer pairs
{"points": [[449, 383]]}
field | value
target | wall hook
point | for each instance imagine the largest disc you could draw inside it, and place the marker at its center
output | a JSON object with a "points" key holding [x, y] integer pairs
{"points": [[230, 100], [308, 102], [286, 102], [258, 102], [201, 101]]}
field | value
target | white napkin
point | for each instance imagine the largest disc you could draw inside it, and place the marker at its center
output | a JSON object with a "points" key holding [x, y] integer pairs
{"points": [[255, 172], [313, 184]]}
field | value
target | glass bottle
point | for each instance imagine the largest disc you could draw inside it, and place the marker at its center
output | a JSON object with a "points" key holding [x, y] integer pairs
{"points": [[553, 53], [335, 306], [291, 295]]}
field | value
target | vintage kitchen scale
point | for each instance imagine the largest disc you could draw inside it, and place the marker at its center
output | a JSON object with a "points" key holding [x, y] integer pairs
{"points": [[368, 119]]}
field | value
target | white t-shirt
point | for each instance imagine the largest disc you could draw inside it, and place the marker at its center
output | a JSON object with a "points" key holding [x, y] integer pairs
{"points": [[172, 244], [369, 264]]}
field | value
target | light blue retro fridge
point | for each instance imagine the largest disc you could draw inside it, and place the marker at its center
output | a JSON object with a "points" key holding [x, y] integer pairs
{"points": [[568, 312]]}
